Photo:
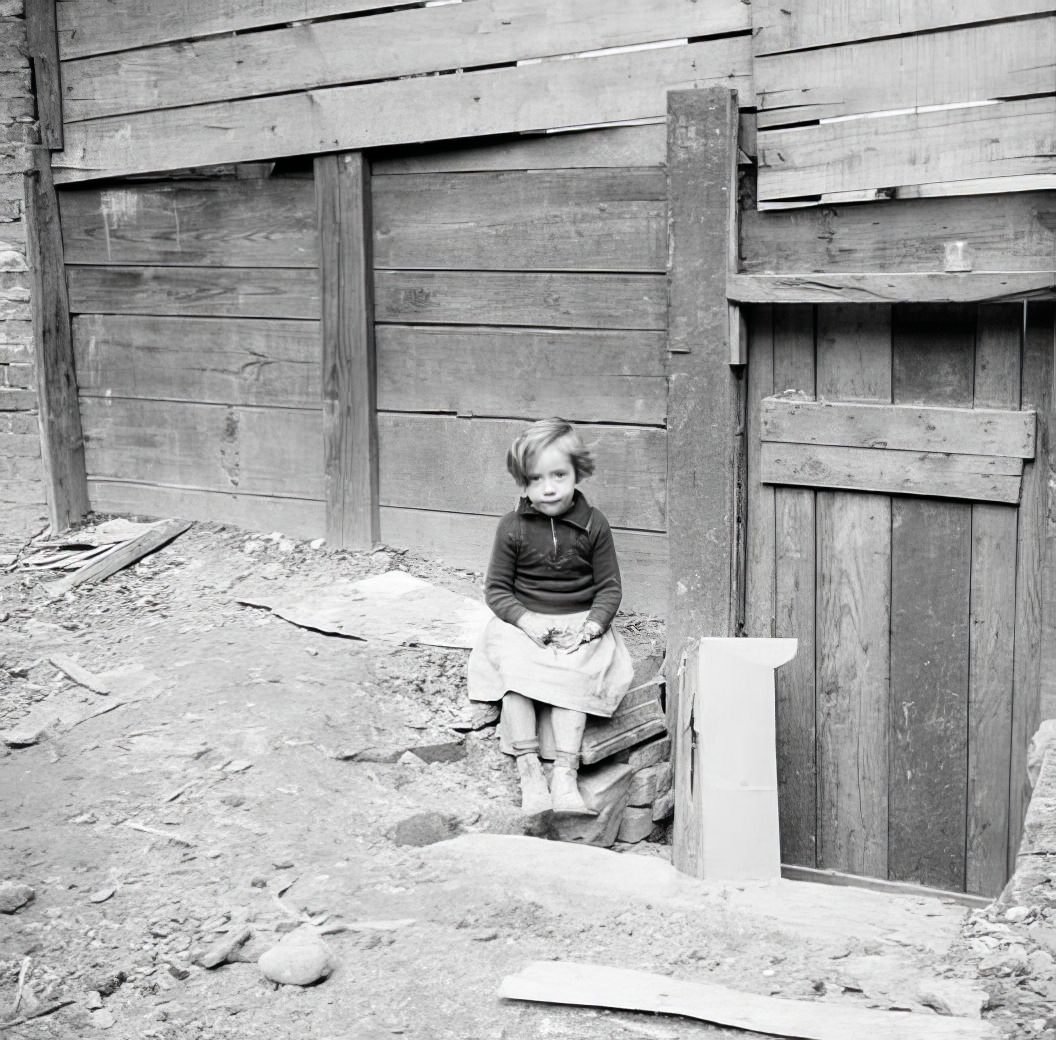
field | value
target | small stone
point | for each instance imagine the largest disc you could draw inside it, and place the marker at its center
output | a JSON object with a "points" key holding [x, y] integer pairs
{"points": [[952, 997], [105, 983], [1041, 963], [94, 1001], [14, 896], [101, 895], [1018, 914], [259, 882], [283, 864], [410, 759], [299, 959], [103, 1019], [425, 828], [317, 543], [380, 755], [177, 971]]}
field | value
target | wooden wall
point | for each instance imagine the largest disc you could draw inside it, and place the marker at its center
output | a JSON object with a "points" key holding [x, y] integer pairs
{"points": [[149, 86], [196, 332], [904, 719], [513, 283], [867, 99]]}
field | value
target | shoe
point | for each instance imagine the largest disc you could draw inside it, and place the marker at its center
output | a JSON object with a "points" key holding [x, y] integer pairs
{"points": [[564, 793], [535, 795]]}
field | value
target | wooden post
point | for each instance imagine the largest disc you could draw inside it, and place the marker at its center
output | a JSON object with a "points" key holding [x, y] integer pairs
{"points": [[705, 401], [350, 430], [42, 44], [62, 444]]}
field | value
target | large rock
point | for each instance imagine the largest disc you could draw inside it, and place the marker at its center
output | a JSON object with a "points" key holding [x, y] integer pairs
{"points": [[14, 896], [299, 959], [425, 828]]}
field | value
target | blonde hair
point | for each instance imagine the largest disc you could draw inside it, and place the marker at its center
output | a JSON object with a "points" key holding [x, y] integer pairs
{"points": [[542, 435]]}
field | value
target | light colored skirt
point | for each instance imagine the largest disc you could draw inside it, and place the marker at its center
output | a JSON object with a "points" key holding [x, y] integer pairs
{"points": [[593, 678]]}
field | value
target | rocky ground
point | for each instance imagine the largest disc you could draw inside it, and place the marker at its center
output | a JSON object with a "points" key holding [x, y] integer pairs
{"points": [[210, 797]]}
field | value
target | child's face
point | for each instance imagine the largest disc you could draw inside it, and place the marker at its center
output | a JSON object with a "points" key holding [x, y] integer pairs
{"points": [[551, 481]]}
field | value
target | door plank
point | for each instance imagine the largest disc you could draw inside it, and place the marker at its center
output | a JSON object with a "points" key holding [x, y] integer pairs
{"points": [[796, 591], [931, 579], [853, 614], [993, 611]]}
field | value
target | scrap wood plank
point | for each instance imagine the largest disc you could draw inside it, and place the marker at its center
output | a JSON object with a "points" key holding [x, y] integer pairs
{"points": [[547, 95], [121, 556], [594, 985], [432, 39], [979, 478], [960, 431], [78, 674]]}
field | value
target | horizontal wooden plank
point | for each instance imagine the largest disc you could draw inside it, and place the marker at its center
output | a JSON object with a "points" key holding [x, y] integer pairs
{"points": [[783, 25], [1005, 139], [210, 360], [459, 465], [245, 450], [606, 88], [617, 146], [1014, 231], [959, 431], [585, 376], [204, 291], [268, 222], [295, 517], [307, 55], [98, 26], [876, 287], [998, 60], [979, 478], [563, 220], [600, 301], [465, 541]]}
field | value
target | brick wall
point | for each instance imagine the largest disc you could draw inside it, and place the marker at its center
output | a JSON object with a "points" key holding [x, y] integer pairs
{"points": [[21, 489]]}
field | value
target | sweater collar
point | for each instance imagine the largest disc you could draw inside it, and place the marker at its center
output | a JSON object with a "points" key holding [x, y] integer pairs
{"points": [[578, 515]]}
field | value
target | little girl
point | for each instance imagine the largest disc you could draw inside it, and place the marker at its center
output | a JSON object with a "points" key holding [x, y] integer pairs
{"points": [[554, 585]]}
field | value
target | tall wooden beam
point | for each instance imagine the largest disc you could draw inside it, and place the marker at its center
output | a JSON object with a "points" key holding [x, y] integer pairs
{"points": [[62, 444], [42, 44], [705, 399], [350, 434]]}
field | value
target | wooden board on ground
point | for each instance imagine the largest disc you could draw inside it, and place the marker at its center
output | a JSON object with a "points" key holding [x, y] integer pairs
{"points": [[585, 375], [573, 220], [418, 454], [605, 88], [598, 301], [853, 614], [566, 982], [226, 360], [266, 222], [998, 361]]}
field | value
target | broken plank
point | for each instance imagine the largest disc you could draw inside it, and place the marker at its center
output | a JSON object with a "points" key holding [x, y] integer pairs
{"points": [[592, 985], [978, 478], [79, 675], [961, 431], [625, 729], [122, 556]]}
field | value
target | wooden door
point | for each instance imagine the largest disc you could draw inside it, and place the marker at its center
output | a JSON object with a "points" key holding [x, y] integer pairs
{"points": [[902, 544]]}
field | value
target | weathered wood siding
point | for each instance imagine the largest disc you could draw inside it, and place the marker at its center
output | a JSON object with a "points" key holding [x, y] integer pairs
{"points": [[149, 87], [513, 284], [196, 334], [919, 617], [873, 99]]}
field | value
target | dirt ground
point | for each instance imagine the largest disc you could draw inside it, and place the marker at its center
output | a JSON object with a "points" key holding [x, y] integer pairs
{"points": [[217, 792]]}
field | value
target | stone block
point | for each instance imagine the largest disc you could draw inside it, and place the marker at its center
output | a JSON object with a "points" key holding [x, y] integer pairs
{"points": [[643, 786], [664, 806], [637, 824]]}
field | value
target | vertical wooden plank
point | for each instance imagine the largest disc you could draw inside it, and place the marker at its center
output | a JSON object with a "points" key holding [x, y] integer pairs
{"points": [[42, 42], [853, 613], [760, 577], [796, 604], [1030, 575], [62, 443], [686, 837], [992, 621], [349, 383], [933, 363]]}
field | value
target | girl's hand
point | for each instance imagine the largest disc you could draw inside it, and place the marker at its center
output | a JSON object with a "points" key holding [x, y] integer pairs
{"points": [[590, 631], [536, 627]]}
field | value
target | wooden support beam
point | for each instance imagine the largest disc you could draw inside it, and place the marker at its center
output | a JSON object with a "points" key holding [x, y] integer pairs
{"points": [[891, 287], [349, 382], [705, 402], [62, 443], [42, 43]]}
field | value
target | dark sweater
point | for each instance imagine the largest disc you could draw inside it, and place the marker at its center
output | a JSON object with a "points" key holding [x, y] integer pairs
{"points": [[554, 565]]}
